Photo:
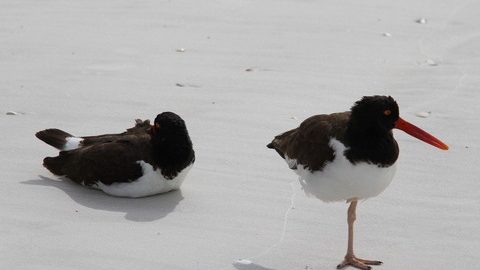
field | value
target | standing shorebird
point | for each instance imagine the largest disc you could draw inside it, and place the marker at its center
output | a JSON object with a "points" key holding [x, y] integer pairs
{"points": [[348, 156], [143, 161]]}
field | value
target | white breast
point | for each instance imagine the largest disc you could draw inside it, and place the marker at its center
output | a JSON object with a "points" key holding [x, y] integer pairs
{"points": [[341, 180], [150, 183]]}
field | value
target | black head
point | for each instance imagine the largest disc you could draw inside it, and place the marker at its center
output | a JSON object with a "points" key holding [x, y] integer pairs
{"points": [[369, 132], [171, 144], [378, 113], [168, 123]]}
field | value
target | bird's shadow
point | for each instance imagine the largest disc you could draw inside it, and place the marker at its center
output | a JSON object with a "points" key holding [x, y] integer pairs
{"points": [[250, 266], [136, 209]]}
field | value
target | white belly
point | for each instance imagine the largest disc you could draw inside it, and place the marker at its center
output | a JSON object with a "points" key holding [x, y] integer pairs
{"points": [[152, 182], [341, 180]]}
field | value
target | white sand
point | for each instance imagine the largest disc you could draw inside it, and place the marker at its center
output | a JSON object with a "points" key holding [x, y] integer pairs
{"points": [[91, 67]]}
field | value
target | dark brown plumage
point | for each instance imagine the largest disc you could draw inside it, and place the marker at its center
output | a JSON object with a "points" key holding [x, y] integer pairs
{"points": [[58, 138], [107, 161], [308, 143], [365, 131], [348, 156], [119, 158]]}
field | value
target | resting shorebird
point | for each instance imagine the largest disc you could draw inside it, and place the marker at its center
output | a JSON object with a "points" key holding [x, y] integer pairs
{"points": [[348, 156], [145, 160]]}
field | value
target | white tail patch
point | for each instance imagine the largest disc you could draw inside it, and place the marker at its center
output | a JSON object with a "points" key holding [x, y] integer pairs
{"points": [[72, 143]]}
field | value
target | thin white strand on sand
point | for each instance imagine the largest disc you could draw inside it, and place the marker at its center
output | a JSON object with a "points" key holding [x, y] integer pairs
{"points": [[249, 260]]}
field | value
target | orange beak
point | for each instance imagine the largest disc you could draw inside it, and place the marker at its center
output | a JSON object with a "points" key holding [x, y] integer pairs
{"points": [[419, 134]]}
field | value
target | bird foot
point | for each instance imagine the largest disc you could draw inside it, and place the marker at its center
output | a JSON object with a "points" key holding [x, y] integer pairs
{"points": [[357, 263]]}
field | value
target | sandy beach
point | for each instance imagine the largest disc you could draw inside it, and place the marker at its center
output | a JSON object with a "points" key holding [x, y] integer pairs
{"points": [[238, 72]]}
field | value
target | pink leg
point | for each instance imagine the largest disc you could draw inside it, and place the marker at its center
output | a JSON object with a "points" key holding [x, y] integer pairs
{"points": [[350, 258]]}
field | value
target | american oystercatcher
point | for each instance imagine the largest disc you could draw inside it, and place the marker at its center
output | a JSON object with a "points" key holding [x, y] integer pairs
{"points": [[143, 161], [348, 156]]}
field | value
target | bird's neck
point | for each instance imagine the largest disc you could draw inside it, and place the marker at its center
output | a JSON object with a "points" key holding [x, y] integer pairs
{"points": [[172, 153], [371, 145]]}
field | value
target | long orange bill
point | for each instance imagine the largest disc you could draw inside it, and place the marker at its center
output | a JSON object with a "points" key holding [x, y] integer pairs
{"points": [[419, 134]]}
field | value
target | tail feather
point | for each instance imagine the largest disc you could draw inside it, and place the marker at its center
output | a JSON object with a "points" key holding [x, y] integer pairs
{"points": [[54, 137], [274, 146]]}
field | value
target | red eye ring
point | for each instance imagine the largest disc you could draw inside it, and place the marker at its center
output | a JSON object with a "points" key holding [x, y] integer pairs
{"points": [[387, 112]]}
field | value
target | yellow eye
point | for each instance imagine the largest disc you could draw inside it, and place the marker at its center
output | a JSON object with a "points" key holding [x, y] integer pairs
{"points": [[387, 112]]}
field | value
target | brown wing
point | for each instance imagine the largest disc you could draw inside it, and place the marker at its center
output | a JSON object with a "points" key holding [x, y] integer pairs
{"points": [[141, 127], [309, 143], [107, 162]]}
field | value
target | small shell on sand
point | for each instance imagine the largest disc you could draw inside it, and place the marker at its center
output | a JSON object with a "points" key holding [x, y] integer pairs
{"points": [[421, 21], [243, 261], [423, 114], [188, 85], [431, 62], [12, 113], [386, 34], [180, 50]]}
